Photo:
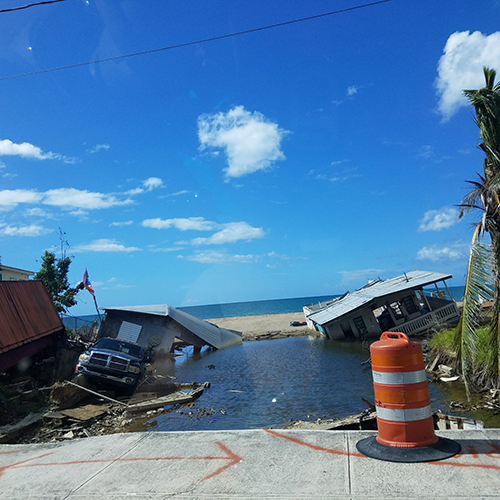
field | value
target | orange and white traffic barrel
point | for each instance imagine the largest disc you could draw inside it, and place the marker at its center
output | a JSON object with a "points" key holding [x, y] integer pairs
{"points": [[404, 416]]}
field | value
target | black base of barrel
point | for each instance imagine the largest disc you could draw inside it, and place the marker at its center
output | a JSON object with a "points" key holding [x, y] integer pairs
{"points": [[444, 448]]}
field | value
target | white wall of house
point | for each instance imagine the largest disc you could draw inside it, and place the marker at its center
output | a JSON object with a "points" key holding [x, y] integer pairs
{"points": [[14, 274]]}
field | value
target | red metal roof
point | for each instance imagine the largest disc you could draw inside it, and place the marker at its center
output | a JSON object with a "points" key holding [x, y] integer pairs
{"points": [[26, 314]]}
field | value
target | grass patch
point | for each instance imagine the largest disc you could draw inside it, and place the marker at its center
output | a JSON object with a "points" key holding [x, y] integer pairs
{"points": [[443, 340]]}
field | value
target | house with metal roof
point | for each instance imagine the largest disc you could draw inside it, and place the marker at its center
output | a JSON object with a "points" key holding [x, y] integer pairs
{"points": [[28, 321], [157, 327], [399, 304]]}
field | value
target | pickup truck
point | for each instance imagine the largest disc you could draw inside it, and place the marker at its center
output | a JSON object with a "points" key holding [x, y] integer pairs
{"points": [[114, 361]]}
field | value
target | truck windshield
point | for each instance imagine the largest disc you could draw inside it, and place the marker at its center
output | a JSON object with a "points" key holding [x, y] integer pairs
{"points": [[120, 346]]}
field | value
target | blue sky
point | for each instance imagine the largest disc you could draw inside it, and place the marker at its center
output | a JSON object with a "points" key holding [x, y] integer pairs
{"points": [[294, 161]]}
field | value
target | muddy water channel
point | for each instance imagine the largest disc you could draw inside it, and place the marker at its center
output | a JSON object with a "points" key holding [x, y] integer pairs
{"points": [[265, 383]]}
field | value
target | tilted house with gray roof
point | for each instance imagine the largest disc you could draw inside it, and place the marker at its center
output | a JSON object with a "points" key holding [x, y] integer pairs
{"points": [[398, 304], [157, 327]]}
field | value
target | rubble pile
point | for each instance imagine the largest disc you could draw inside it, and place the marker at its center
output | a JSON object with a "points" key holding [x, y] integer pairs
{"points": [[78, 411]]}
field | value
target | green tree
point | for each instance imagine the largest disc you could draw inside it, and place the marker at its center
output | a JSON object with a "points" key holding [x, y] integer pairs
{"points": [[482, 281], [54, 275]]}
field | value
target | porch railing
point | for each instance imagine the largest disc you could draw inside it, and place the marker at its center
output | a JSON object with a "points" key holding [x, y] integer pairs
{"points": [[433, 318]]}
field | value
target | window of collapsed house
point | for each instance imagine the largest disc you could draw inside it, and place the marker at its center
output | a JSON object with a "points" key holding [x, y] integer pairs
{"points": [[396, 311]]}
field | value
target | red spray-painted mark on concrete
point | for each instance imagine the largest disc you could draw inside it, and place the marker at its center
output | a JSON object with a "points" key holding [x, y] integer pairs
{"points": [[314, 447], [229, 455], [470, 450], [20, 464]]}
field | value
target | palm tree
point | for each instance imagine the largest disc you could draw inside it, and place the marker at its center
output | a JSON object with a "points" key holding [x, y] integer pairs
{"points": [[483, 271]]}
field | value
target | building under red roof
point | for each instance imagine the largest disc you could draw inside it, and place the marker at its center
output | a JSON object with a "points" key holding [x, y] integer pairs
{"points": [[28, 321]]}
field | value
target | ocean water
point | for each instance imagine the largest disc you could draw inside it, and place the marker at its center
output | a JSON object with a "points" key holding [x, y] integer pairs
{"points": [[252, 308]]}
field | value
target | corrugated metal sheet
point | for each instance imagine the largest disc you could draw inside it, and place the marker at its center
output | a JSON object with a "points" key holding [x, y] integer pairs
{"points": [[211, 334], [379, 289], [26, 314], [349, 303]]}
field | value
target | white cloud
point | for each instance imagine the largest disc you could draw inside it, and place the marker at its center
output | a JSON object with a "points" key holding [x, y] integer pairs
{"points": [[352, 90], [103, 245], [99, 147], [153, 248], [66, 198], [27, 150], [152, 183], [337, 176], [426, 152], [135, 191], [178, 193], [11, 198], [454, 251], [147, 185], [38, 212], [32, 230], [119, 224], [216, 257], [75, 198], [461, 67], [192, 223], [227, 233], [79, 213], [251, 142], [231, 232], [435, 220]]}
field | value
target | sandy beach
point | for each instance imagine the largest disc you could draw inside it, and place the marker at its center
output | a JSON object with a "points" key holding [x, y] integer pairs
{"points": [[267, 326]]}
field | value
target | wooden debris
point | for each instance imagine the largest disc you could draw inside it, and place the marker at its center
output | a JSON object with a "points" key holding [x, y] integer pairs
{"points": [[367, 403], [444, 422], [53, 415], [175, 398], [433, 365], [84, 413], [445, 370], [363, 420]]}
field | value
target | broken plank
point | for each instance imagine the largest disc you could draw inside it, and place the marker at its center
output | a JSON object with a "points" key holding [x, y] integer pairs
{"points": [[172, 399], [86, 412]]}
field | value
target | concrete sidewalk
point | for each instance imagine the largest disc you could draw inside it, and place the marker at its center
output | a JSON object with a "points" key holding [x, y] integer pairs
{"points": [[245, 464]]}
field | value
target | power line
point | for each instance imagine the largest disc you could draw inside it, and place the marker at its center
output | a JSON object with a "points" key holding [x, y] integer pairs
{"points": [[30, 5], [196, 42]]}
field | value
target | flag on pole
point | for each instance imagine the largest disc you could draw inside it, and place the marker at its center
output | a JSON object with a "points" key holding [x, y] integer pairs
{"points": [[86, 282]]}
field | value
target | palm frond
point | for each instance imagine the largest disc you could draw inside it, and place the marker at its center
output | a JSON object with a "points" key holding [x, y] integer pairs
{"points": [[494, 352], [478, 289]]}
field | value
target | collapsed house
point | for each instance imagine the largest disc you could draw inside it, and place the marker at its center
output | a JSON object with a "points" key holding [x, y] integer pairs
{"points": [[399, 304], [157, 327], [28, 321]]}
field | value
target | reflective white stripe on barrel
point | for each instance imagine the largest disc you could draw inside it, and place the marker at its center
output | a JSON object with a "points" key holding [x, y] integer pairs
{"points": [[408, 415], [396, 378]]}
